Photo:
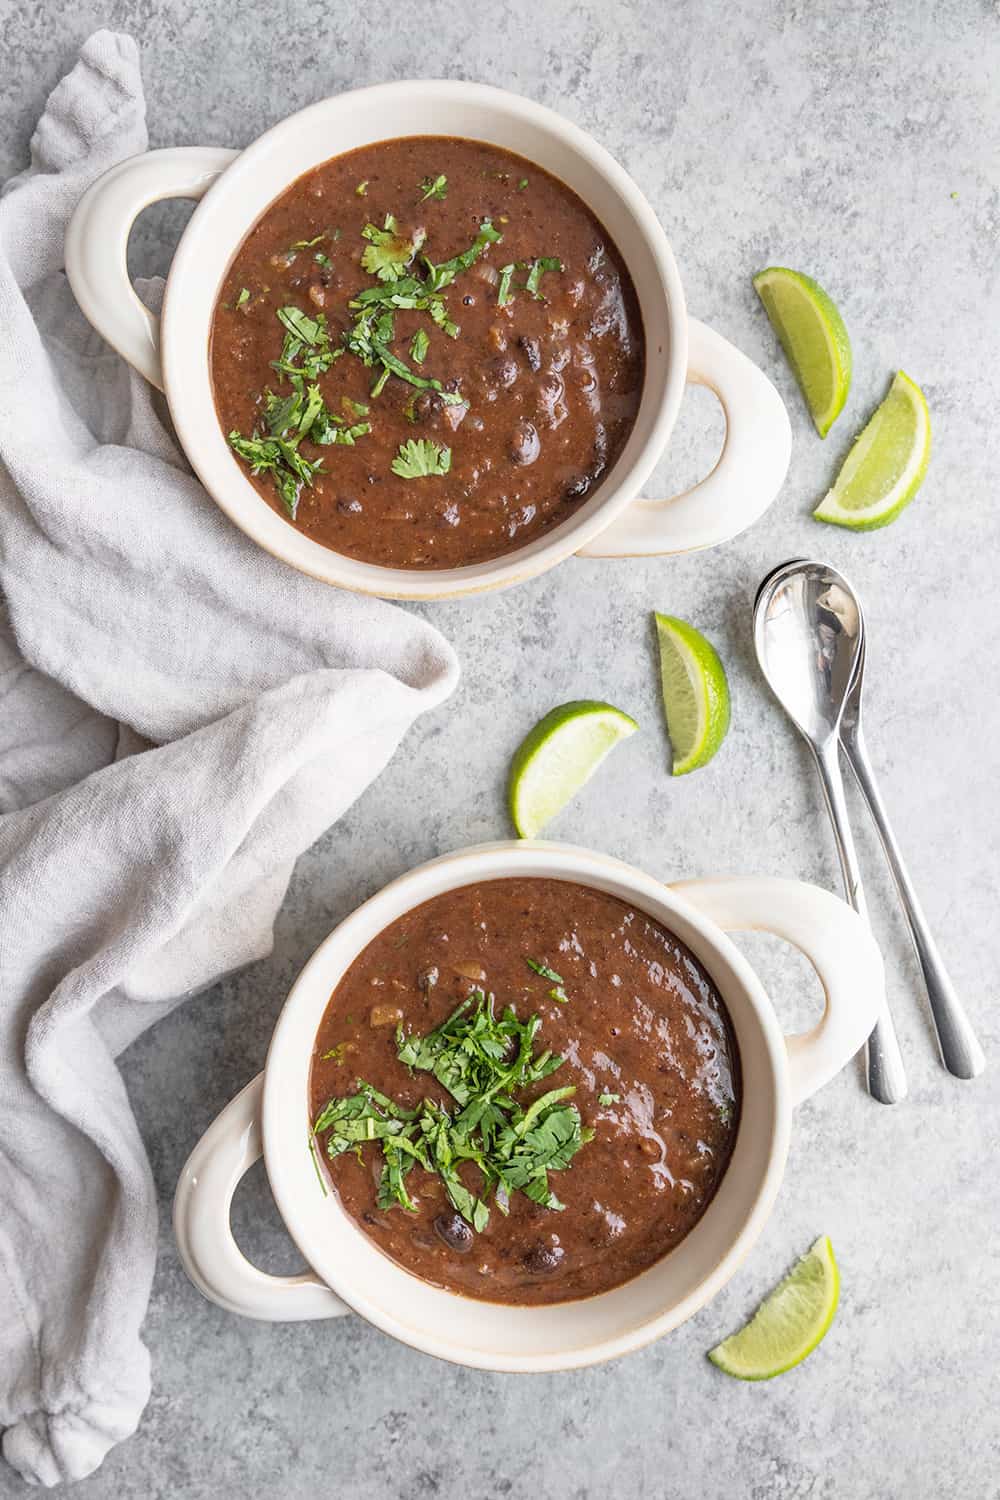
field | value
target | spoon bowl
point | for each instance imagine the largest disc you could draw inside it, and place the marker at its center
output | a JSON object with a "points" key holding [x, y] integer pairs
{"points": [[809, 638]]}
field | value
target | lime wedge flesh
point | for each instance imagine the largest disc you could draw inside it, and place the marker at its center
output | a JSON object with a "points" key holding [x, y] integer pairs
{"points": [[814, 338], [789, 1323], [695, 693], [561, 753], [886, 466]]}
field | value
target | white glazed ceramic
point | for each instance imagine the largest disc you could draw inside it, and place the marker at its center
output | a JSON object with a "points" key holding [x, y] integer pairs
{"points": [[236, 188], [271, 1116]]}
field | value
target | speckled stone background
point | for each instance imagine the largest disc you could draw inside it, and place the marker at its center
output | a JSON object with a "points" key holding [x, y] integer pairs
{"points": [[859, 142]]}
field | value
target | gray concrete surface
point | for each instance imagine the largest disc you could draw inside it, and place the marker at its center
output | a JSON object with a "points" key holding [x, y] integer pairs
{"points": [[859, 142]]}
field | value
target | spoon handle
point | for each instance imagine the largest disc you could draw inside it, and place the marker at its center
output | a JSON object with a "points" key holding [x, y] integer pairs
{"points": [[960, 1051], [886, 1077]]}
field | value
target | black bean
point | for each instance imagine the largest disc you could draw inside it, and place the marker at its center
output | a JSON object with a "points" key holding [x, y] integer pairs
{"points": [[532, 352], [452, 1230], [550, 390], [504, 371], [425, 406], [525, 445], [577, 488], [349, 507], [542, 1260]]}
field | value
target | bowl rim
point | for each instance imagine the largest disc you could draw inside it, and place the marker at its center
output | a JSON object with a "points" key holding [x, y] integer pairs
{"points": [[184, 340], [292, 1176]]}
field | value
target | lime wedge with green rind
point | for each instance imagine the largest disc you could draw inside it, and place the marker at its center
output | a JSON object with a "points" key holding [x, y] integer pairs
{"points": [[560, 754], [814, 338], [695, 693], [886, 466], [789, 1323]]}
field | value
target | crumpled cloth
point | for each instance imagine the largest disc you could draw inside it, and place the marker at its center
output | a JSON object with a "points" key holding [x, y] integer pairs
{"points": [[180, 716]]}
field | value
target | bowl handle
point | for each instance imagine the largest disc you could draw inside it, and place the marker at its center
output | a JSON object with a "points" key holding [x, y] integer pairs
{"points": [[834, 939], [747, 476], [208, 1251], [97, 242]]}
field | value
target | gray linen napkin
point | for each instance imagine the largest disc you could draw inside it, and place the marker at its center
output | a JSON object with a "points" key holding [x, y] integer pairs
{"points": [[180, 716]]}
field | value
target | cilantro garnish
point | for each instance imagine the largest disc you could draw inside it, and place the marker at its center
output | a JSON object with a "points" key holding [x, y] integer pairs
{"points": [[535, 269], [506, 277], [281, 460], [362, 188], [419, 457], [434, 187], [388, 253], [418, 346], [544, 263], [302, 413], [243, 298], [544, 970], [444, 274], [483, 1061], [609, 1098], [322, 260], [522, 184], [308, 244]]}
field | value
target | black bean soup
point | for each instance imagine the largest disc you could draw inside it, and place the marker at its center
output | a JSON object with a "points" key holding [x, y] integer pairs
{"points": [[525, 1091], [427, 353]]}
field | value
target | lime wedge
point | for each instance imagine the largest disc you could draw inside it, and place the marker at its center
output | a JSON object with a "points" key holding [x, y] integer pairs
{"points": [[789, 1323], [814, 338], [695, 693], [887, 464], [561, 753]]}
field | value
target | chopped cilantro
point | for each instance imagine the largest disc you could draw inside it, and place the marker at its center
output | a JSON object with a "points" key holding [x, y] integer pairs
{"points": [[335, 1054], [434, 187], [419, 457], [558, 994], [308, 244], [322, 260], [388, 253], [482, 1061], [301, 413], [506, 277], [536, 269], [522, 184], [362, 188], [444, 274], [418, 346], [281, 460], [545, 263], [609, 1098], [300, 325], [544, 971], [243, 298]]}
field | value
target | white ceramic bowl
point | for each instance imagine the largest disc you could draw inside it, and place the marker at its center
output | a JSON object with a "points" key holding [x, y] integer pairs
{"points": [[271, 1115], [236, 188]]}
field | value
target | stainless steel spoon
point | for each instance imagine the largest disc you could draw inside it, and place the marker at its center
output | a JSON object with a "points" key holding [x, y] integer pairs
{"points": [[960, 1050], [809, 635]]}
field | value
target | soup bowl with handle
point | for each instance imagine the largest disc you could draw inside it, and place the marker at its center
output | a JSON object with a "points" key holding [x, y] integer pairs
{"points": [[236, 188], [271, 1117]]}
